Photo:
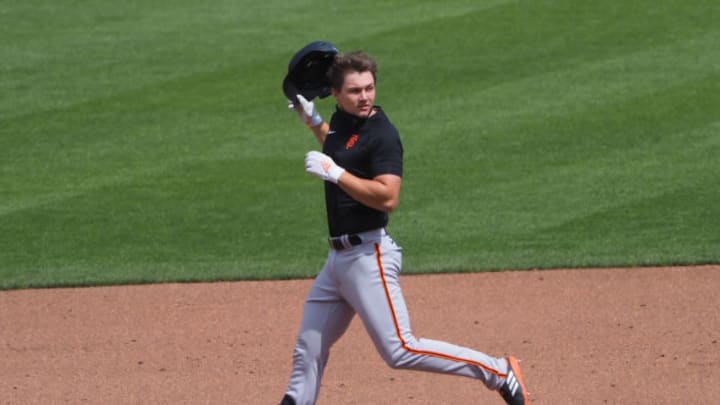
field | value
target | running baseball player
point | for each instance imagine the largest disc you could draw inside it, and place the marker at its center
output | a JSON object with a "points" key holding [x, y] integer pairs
{"points": [[361, 164]]}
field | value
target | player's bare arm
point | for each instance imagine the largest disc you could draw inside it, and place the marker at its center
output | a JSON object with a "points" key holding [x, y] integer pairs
{"points": [[321, 131], [381, 193]]}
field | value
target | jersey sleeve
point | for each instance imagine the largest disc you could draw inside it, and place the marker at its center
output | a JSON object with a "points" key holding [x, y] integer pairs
{"points": [[387, 157]]}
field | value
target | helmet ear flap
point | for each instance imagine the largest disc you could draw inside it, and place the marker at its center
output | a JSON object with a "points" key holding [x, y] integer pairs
{"points": [[307, 71]]}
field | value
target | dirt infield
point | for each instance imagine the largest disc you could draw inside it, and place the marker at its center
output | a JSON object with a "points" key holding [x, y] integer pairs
{"points": [[602, 336]]}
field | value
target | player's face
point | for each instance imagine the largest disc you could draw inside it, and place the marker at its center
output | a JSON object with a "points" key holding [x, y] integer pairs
{"points": [[357, 94]]}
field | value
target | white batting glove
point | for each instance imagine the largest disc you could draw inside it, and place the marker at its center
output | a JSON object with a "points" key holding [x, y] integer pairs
{"points": [[307, 112], [321, 165]]}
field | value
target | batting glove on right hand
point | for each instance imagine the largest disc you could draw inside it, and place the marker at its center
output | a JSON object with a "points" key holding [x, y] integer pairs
{"points": [[307, 112]]}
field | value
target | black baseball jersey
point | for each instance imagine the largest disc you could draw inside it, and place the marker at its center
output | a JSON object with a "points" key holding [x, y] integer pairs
{"points": [[366, 148]]}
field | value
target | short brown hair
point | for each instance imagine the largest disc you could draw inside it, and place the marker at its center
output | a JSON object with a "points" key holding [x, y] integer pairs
{"points": [[344, 63]]}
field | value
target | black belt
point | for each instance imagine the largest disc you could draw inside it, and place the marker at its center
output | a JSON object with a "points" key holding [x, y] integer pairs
{"points": [[344, 241]]}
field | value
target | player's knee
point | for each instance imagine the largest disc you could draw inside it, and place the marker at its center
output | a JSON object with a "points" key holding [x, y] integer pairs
{"points": [[397, 357], [308, 348], [399, 361]]}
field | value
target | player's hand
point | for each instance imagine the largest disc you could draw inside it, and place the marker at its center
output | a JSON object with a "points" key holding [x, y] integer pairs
{"points": [[307, 112], [321, 165]]}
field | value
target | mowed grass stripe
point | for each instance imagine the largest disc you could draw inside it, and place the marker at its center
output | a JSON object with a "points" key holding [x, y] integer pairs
{"points": [[131, 45], [547, 132], [537, 134], [129, 110]]}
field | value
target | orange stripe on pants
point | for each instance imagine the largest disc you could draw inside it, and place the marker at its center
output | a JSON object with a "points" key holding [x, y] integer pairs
{"points": [[378, 257]]}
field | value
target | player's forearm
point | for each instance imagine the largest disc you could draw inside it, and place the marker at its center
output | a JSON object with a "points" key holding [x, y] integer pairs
{"points": [[320, 131], [382, 193]]}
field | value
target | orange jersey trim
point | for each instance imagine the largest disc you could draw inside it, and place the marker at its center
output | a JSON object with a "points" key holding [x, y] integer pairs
{"points": [[403, 344]]}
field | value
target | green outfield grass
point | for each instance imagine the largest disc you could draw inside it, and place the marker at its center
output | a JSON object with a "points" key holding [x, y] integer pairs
{"points": [[146, 143]]}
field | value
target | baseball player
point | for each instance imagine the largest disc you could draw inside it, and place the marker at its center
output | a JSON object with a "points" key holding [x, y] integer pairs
{"points": [[361, 164]]}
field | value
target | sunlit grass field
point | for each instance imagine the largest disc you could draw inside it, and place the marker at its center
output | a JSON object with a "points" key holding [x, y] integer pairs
{"points": [[146, 143]]}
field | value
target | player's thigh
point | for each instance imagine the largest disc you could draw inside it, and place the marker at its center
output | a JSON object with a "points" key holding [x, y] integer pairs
{"points": [[370, 284], [325, 312]]}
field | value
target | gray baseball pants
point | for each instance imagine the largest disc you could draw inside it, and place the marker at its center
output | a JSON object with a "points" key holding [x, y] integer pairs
{"points": [[363, 279]]}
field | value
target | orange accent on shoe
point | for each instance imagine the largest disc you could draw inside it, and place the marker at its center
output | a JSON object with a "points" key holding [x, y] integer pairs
{"points": [[515, 366]]}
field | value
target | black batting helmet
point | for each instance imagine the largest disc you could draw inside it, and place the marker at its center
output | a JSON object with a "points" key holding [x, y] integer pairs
{"points": [[307, 71]]}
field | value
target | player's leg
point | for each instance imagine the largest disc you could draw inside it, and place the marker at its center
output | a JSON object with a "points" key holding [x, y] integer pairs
{"points": [[370, 284], [326, 317]]}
